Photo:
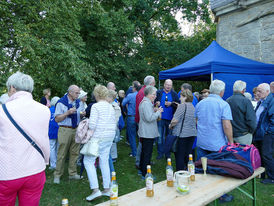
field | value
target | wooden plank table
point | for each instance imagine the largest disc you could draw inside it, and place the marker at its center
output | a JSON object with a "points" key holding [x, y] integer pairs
{"points": [[204, 190]]}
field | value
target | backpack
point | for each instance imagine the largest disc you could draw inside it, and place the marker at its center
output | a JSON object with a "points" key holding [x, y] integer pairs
{"points": [[249, 152], [83, 134]]}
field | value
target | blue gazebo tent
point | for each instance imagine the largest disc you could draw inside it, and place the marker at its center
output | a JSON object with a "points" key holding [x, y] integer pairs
{"points": [[215, 62]]}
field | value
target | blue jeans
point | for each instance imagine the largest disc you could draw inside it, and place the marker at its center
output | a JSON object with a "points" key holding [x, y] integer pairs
{"points": [[131, 131], [111, 166], [163, 131], [267, 155]]}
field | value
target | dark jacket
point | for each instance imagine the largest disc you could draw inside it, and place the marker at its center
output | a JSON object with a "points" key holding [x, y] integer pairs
{"points": [[174, 96], [244, 117], [266, 120]]}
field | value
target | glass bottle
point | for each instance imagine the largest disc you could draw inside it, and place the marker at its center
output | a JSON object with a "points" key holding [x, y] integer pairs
{"points": [[191, 168], [149, 183], [113, 190], [65, 202], [169, 173]]}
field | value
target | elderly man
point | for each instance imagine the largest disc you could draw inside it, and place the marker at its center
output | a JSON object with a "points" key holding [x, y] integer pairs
{"points": [[67, 115], [111, 86], [272, 87], [214, 128], [244, 117], [165, 98], [264, 135]]}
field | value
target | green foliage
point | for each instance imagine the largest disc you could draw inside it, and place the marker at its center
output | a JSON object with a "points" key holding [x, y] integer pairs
{"points": [[63, 42]]}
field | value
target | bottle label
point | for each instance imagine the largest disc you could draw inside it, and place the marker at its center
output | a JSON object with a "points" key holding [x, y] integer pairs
{"points": [[149, 183], [114, 192], [191, 169], [169, 174]]}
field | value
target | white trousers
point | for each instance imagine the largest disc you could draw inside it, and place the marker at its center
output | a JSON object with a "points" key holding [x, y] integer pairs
{"points": [[89, 161], [53, 152]]}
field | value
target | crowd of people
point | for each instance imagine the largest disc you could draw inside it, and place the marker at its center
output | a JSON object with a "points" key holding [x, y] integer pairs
{"points": [[201, 120]]}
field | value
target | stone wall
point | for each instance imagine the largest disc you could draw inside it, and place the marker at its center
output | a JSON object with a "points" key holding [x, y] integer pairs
{"points": [[247, 28]]}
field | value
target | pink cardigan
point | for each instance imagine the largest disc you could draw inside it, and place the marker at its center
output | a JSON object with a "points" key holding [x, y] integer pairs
{"points": [[18, 158]]}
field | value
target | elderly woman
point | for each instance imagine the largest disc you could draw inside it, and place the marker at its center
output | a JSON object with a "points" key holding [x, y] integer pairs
{"points": [[53, 133], [148, 129], [45, 99], [103, 125], [22, 171], [83, 99], [184, 126]]}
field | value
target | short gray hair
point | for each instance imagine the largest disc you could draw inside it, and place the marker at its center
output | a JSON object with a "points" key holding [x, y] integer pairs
{"points": [[186, 86], [21, 82], [148, 80], [149, 90], [239, 86], [54, 100], [217, 86], [264, 86]]}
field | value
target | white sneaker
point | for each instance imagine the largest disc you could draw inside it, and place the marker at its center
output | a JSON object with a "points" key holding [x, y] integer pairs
{"points": [[75, 177], [56, 180], [94, 195], [106, 193]]}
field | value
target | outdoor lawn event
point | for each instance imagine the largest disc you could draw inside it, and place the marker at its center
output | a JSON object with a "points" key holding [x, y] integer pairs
{"points": [[136, 102]]}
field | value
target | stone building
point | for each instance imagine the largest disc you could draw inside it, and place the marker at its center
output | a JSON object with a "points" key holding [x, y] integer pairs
{"points": [[246, 27]]}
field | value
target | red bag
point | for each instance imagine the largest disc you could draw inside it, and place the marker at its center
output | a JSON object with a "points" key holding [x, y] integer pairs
{"points": [[249, 152]]}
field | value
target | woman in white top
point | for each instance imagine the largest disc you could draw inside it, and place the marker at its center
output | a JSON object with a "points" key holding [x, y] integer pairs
{"points": [[102, 124]]}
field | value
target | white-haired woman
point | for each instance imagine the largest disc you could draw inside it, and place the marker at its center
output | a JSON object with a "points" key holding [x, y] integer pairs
{"points": [[22, 172], [53, 134], [148, 129], [103, 125]]}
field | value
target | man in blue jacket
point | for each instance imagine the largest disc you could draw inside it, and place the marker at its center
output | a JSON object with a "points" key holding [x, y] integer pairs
{"points": [[165, 98], [265, 130]]}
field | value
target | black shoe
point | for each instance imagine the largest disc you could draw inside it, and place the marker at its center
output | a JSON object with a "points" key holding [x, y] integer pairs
{"points": [[226, 198], [267, 181]]}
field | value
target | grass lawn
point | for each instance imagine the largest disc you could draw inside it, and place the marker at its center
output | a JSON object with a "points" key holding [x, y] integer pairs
{"points": [[128, 181]]}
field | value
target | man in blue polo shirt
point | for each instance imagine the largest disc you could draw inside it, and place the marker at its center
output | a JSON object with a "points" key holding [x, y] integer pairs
{"points": [[130, 101], [165, 98], [189, 87]]}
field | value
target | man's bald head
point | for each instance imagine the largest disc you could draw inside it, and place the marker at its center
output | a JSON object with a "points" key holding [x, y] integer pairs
{"points": [[168, 85], [73, 92], [111, 86]]}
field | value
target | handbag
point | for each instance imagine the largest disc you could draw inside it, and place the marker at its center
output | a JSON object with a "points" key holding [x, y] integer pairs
{"points": [[22, 131], [171, 140], [91, 148]]}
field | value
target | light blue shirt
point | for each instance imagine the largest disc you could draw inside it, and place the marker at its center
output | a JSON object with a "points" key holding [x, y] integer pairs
{"points": [[210, 112], [61, 109], [130, 100], [259, 110]]}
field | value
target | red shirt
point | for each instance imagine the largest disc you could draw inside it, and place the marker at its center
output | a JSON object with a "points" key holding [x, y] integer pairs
{"points": [[139, 98]]}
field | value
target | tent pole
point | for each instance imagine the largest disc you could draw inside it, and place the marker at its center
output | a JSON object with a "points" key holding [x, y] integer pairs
{"points": [[211, 78], [159, 85]]}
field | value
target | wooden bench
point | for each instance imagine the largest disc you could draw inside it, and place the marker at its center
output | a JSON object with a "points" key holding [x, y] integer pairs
{"points": [[204, 190]]}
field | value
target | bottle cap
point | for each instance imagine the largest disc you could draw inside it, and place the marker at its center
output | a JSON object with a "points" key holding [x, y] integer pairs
{"points": [[113, 173], [148, 167], [169, 159], [190, 155]]}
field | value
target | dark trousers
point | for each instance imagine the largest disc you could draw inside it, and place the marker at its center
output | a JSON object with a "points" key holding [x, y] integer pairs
{"points": [[267, 155], [184, 148], [259, 146], [163, 129], [146, 153]]}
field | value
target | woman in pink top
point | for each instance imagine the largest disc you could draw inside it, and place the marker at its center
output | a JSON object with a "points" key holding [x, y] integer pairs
{"points": [[22, 167]]}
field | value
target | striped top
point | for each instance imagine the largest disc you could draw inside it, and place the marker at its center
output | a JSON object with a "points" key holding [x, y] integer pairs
{"points": [[189, 127], [102, 121]]}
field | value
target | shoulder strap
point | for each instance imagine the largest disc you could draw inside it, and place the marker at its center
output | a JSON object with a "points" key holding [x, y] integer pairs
{"points": [[21, 130], [183, 120]]}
